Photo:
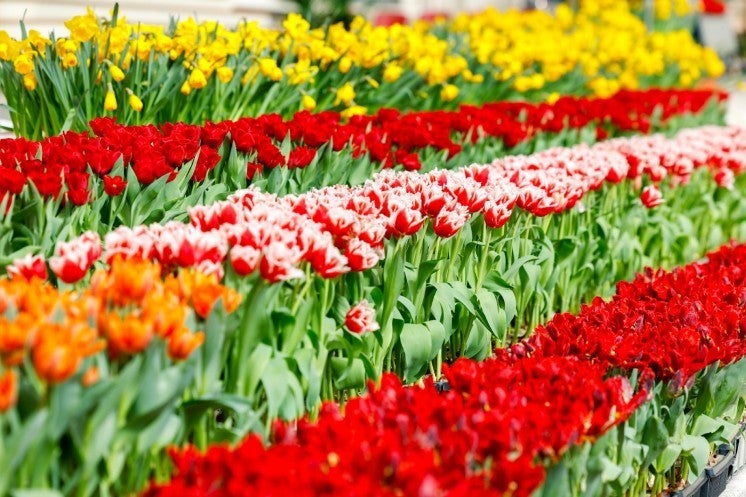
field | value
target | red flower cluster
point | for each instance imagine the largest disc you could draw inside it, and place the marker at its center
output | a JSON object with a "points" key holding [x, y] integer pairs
{"points": [[487, 436], [63, 164], [673, 323], [503, 418], [340, 228]]}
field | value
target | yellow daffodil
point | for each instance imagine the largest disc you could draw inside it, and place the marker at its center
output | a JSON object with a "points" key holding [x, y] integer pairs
{"points": [[355, 110], [23, 64], [134, 101], [392, 72], [308, 102], [29, 81], [197, 79], [116, 73], [110, 102], [449, 92], [225, 74], [345, 95], [345, 64]]}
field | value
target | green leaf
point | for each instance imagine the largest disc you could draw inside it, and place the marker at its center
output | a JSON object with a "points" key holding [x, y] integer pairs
{"points": [[417, 345], [256, 366], [462, 294], [697, 452], [705, 425], [40, 492], [161, 388], [284, 394], [611, 471], [348, 373], [655, 436], [478, 345], [488, 313], [665, 460], [437, 337]]}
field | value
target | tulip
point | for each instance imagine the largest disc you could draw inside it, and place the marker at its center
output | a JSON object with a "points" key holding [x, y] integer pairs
{"points": [[244, 260], [28, 267], [651, 196], [183, 342], [361, 318], [8, 390]]}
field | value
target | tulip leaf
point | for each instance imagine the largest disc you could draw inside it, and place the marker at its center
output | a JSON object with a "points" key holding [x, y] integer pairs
{"points": [[478, 345], [705, 425], [697, 451], [437, 337], [488, 313], [655, 436], [407, 306], [255, 367], [611, 471], [210, 351], [348, 373], [284, 394], [161, 388], [310, 375], [667, 457], [417, 345], [38, 492], [462, 294]]}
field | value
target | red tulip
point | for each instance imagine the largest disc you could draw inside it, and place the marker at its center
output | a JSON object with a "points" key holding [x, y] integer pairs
{"points": [[244, 260], [114, 186], [448, 222], [28, 267], [651, 196], [361, 318]]}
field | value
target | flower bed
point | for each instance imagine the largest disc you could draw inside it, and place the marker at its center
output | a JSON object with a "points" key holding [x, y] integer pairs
{"points": [[451, 282], [195, 72], [504, 420], [44, 184], [333, 328]]}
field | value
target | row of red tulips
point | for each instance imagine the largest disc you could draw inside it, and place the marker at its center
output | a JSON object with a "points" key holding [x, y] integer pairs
{"points": [[507, 418], [67, 164]]}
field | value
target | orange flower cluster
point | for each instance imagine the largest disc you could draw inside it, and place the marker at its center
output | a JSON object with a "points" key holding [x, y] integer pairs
{"points": [[122, 310]]}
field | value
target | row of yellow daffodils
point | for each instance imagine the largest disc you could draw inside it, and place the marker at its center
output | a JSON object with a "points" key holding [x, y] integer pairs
{"points": [[198, 71]]}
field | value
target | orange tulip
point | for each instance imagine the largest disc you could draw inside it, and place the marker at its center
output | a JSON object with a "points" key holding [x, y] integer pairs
{"points": [[55, 360], [8, 390], [183, 342], [128, 335], [14, 335], [90, 377], [204, 290]]}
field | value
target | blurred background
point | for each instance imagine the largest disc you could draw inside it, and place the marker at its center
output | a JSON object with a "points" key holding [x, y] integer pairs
{"points": [[47, 14]]}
